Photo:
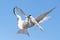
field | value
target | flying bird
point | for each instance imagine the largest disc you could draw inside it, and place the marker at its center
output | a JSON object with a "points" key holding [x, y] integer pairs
{"points": [[30, 21]]}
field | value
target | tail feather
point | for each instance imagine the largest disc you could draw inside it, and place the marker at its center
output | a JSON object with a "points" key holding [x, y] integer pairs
{"points": [[23, 31], [41, 28]]}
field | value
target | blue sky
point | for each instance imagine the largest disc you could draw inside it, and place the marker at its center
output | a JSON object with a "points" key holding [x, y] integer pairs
{"points": [[8, 24]]}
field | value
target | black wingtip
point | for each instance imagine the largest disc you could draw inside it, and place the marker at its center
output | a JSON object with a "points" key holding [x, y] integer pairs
{"points": [[14, 11], [53, 8]]}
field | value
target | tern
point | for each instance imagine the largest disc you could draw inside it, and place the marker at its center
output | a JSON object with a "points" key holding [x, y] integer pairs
{"points": [[30, 21]]}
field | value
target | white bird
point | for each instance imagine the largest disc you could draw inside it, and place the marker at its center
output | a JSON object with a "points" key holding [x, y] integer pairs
{"points": [[30, 21]]}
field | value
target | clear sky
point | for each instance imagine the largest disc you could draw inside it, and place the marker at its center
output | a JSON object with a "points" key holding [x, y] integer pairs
{"points": [[8, 22]]}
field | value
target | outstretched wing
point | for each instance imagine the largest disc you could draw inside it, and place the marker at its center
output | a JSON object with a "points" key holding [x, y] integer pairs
{"points": [[20, 11], [14, 11], [40, 17]]}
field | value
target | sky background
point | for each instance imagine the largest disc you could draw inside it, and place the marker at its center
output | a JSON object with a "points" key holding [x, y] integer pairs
{"points": [[8, 22]]}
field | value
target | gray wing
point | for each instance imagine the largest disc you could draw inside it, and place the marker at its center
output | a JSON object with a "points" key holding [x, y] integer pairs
{"points": [[40, 17], [20, 11]]}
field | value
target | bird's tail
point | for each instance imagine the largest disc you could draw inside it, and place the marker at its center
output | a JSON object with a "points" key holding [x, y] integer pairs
{"points": [[41, 28], [23, 31]]}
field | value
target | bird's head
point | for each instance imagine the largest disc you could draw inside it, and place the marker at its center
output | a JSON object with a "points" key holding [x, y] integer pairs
{"points": [[29, 16]]}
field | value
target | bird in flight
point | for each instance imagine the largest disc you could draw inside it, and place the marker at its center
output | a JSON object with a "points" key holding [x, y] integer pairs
{"points": [[30, 21]]}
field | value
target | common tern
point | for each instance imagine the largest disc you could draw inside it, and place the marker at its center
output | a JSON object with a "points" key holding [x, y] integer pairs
{"points": [[30, 21]]}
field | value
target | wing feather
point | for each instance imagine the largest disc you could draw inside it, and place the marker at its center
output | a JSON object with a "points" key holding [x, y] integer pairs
{"points": [[40, 17], [20, 10]]}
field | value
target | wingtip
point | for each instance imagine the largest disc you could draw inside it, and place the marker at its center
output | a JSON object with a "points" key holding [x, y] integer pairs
{"points": [[53, 8]]}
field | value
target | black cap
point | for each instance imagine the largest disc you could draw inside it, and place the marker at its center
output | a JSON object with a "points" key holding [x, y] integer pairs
{"points": [[29, 15]]}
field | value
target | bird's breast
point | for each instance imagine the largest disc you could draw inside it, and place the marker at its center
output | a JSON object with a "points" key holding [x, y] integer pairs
{"points": [[20, 24]]}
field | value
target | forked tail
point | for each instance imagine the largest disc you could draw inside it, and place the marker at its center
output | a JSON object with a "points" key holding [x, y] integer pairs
{"points": [[23, 31]]}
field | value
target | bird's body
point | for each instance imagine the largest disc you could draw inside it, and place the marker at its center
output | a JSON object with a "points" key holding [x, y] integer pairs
{"points": [[32, 19], [22, 25]]}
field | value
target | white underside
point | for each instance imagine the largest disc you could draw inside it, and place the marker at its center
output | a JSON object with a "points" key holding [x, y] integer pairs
{"points": [[20, 24]]}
